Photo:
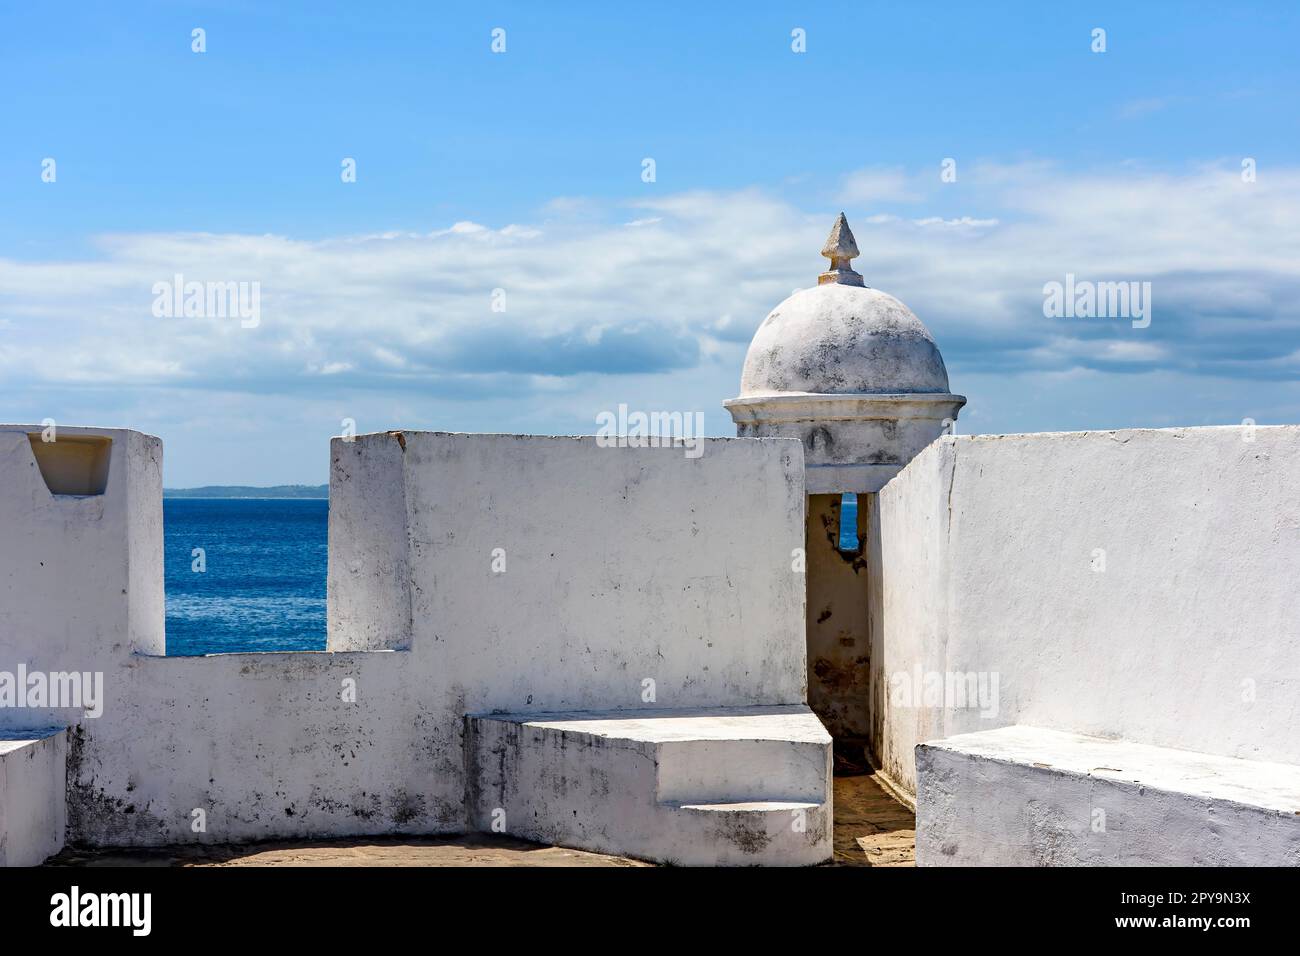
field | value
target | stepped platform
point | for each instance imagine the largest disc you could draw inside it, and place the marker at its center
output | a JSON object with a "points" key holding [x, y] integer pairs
{"points": [[729, 787], [1023, 796], [33, 795]]}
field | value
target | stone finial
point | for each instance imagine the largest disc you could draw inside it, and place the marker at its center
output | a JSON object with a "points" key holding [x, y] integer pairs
{"points": [[840, 248]]}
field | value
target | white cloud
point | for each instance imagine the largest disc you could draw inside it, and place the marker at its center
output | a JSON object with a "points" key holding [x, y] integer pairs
{"points": [[1136, 109], [869, 186], [960, 223]]}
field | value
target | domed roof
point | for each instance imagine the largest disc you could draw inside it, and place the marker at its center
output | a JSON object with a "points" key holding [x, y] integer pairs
{"points": [[842, 338]]}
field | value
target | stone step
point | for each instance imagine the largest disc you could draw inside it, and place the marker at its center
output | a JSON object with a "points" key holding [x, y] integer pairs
{"points": [[728, 786], [747, 806]]}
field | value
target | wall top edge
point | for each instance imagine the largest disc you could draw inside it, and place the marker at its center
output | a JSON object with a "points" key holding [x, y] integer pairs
{"points": [[1126, 433], [62, 429], [415, 433]]}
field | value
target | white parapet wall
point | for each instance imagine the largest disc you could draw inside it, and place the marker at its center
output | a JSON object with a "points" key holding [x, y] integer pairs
{"points": [[468, 574], [622, 566], [1137, 585], [81, 562]]}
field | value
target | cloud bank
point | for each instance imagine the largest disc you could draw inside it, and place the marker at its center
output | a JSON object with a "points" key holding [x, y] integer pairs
{"points": [[673, 286]]}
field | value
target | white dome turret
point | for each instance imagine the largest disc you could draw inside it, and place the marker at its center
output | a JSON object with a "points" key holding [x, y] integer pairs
{"points": [[851, 372], [842, 340]]}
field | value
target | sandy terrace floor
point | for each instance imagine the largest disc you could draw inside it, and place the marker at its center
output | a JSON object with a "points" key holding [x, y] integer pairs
{"points": [[871, 829]]}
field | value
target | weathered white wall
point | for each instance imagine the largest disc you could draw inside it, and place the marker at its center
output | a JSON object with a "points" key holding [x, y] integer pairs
{"points": [[368, 588], [622, 565], [81, 577], [1190, 637], [907, 587]]}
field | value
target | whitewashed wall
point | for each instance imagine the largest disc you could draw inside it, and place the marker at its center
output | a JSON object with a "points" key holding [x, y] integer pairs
{"points": [[81, 578], [987, 556], [621, 565]]}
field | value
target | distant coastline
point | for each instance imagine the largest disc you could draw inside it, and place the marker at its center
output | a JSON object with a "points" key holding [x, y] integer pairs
{"points": [[249, 491]]}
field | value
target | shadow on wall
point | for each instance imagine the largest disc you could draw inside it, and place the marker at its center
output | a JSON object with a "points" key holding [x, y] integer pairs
{"points": [[74, 464]]}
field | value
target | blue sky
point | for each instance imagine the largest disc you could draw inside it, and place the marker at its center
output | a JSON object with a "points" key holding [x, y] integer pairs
{"points": [[522, 171]]}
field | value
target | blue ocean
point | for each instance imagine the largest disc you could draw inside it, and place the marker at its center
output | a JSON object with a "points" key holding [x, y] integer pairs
{"points": [[262, 586]]}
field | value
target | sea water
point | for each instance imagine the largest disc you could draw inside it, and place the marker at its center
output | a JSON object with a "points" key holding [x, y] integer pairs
{"points": [[245, 574]]}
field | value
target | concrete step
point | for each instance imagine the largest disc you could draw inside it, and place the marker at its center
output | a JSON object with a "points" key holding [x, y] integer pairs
{"points": [[1024, 796], [33, 795], [756, 807], [728, 786]]}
